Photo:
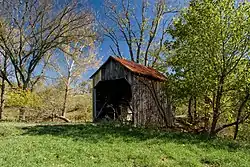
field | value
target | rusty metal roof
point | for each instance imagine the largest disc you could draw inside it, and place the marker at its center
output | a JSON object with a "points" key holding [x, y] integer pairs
{"points": [[137, 69]]}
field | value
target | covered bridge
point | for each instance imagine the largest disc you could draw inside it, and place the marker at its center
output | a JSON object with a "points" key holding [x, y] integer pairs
{"points": [[126, 91]]}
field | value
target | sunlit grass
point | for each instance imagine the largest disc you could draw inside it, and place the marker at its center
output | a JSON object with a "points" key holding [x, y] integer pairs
{"points": [[105, 145]]}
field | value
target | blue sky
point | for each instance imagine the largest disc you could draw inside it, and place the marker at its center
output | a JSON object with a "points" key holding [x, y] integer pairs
{"points": [[104, 48]]}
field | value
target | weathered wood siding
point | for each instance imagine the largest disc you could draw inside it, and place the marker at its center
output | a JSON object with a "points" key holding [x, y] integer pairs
{"points": [[148, 103], [111, 71]]}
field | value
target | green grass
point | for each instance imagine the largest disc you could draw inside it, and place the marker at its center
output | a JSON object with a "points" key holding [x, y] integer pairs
{"points": [[101, 145]]}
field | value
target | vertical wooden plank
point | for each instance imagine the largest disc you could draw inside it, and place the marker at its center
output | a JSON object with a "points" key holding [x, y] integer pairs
{"points": [[97, 78], [111, 70], [94, 103]]}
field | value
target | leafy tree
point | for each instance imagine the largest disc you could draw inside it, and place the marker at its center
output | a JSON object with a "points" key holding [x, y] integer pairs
{"points": [[24, 99], [211, 55]]}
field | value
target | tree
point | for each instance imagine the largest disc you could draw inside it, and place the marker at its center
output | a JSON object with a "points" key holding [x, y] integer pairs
{"points": [[34, 28], [37, 29], [4, 73], [71, 63], [211, 50], [142, 29], [23, 99]]}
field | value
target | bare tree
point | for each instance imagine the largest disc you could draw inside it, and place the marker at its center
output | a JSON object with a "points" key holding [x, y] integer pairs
{"points": [[35, 27], [71, 64], [141, 26], [3, 72], [41, 75]]}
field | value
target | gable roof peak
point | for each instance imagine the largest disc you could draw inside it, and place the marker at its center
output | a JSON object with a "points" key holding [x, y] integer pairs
{"points": [[136, 68]]}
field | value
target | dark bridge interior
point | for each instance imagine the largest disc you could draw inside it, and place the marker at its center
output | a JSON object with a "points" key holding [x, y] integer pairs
{"points": [[113, 99]]}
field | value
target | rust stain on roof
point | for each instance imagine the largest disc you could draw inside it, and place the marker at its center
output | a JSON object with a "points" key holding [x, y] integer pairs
{"points": [[140, 69], [137, 69]]}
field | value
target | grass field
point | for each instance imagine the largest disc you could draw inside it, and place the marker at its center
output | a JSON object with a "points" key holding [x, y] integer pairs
{"points": [[86, 145]]}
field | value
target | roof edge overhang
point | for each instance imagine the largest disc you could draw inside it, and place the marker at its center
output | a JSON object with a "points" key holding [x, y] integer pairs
{"points": [[111, 57]]}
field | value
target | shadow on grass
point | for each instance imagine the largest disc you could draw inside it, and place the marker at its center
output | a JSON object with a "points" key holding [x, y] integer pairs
{"points": [[94, 133]]}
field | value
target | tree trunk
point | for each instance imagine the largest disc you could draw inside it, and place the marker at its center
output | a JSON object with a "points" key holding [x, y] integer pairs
{"points": [[64, 109], [239, 114], [62, 118], [170, 114], [215, 118], [22, 109], [195, 108], [236, 129], [2, 99], [190, 109], [206, 120], [217, 106]]}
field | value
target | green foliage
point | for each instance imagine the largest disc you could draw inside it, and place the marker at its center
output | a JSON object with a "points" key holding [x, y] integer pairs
{"points": [[106, 145], [210, 59], [244, 132], [23, 98], [210, 39]]}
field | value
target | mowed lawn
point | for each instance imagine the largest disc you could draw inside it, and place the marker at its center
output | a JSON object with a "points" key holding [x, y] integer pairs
{"points": [[86, 145]]}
